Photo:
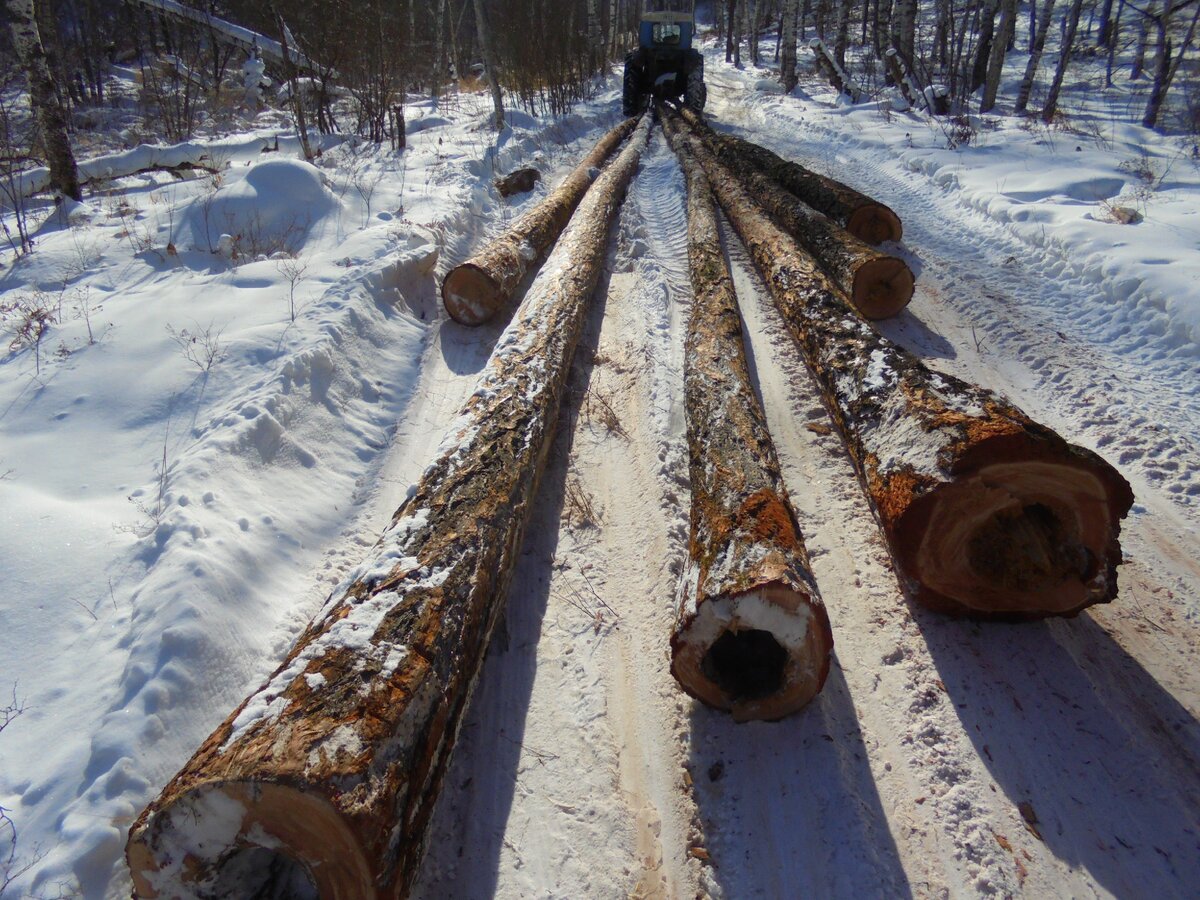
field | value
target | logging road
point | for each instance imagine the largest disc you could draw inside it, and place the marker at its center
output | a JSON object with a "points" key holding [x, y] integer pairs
{"points": [[943, 757]]}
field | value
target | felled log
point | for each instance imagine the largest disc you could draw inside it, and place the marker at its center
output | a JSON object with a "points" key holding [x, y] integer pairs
{"points": [[878, 284], [752, 636], [865, 218], [475, 290], [986, 512], [326, 776], [520, 181], [899, 77]]}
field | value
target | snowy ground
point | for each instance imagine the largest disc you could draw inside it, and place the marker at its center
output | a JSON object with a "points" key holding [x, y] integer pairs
{"points": [[168, 527]]}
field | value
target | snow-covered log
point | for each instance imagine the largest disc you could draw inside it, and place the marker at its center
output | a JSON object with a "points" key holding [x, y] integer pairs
{"points": [[865, 218], [324, 779], [475, 290], [879, 285], [828, 65], [986, 512], [752, 635]]}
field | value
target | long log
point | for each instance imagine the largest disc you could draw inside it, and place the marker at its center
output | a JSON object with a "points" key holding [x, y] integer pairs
{"points": [[475, 290], [986, 512], [864, 217], [752, 636], [879, 285], [326, 776]]}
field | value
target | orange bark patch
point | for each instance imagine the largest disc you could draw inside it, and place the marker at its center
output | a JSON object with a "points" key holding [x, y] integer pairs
{"points": [[767, 518]]}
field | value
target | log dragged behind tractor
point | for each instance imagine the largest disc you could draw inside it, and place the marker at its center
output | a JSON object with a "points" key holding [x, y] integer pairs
{"points": [[475, 290], [879, 285], [867, 219], [986, 512], [752, 635], [324, 780]]}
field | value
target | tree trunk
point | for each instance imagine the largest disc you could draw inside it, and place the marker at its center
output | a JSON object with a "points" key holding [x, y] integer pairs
{"points": [[297, 96], [787, 66], [1164, 72], [730, 28], [995, 68], [983, 51], [489, 64], [330, 771], [752, 636], [1064, 58], [1104, 26], [878, 285], [912, 94], [842, 39], [475, 290], [753, 23], [986, 512], [1035, 57], [867, 219], [45, 98]]}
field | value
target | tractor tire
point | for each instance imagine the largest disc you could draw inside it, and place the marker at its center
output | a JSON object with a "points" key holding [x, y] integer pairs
{"points": [[632, 99], [696, 93]]}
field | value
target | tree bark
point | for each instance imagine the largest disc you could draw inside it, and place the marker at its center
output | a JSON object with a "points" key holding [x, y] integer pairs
{"points": [[995, 67], [1064, 58], [1035, 57], [45, 98], [983, 51], [730, 29], [986, 512], [787, 65], [1165, 69], [489, 64], [834, 73], [475, 290], [752, 636], [878, 285], [329, 772], [868, 220]]}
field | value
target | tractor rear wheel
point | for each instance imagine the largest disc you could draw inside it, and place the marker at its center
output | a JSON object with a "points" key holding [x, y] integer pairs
{"points": [[632, 101], [696, 92]]}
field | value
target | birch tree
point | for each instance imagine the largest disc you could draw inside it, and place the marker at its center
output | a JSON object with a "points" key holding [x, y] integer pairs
{"points": [[489, 63], [991, 83], [45, 98]]}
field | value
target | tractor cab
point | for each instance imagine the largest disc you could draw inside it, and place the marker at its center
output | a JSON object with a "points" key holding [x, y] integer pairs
{"points": [[665, 65]]}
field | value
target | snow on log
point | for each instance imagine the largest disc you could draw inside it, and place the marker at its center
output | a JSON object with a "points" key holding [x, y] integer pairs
{"points": [[475, 290], [986, 512], [865, 218], [752, 635], [878, 284], [323, 781]]}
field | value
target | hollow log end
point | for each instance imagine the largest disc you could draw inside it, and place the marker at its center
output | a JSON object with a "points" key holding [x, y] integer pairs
{"points": [[242, 839], [760, 655], [882, 287], [470, 294], [1021, 533], [874, 224]]}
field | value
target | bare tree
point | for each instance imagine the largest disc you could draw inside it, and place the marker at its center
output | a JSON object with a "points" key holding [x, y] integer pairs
{"points": [[1166, 65], [1064, 58], [1035, 57], [45, 98], [1008, 25], [489, 63], [787, 65]]}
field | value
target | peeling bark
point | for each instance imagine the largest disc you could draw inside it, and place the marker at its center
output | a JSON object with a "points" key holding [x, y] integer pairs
{"points": [[867, 219], [986, 512], [328, 773], [475, 290], [879, 285], [752, 636]]}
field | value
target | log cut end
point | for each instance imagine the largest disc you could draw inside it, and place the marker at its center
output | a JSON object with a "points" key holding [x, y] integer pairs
{"points": [[471, 295], [1018, 539], [247, 839], [874, 224], [882, 287], [763, 654]]}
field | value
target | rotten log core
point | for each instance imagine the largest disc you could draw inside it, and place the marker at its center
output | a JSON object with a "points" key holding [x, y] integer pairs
{"points": [[752, 635], [475, 290], [986, 512], [864, 217], [879, 285], [323, 782]]}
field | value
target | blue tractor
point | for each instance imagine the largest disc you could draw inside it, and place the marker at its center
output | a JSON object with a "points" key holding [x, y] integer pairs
{"points": [[665, 65]]}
